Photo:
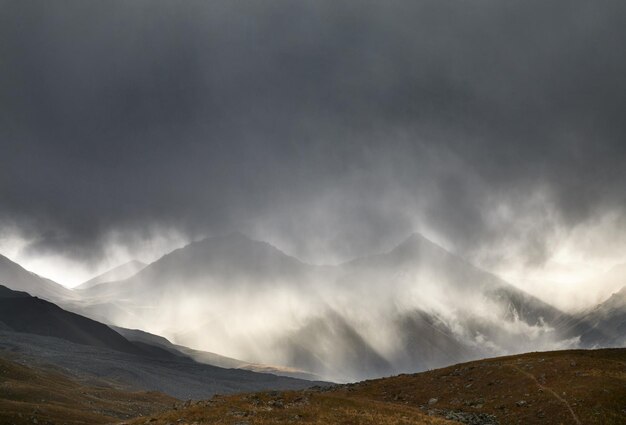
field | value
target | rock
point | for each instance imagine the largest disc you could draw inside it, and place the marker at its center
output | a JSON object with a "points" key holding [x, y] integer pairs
{"points": [[279, 404], [433, 401], [521, 403], [470, 418]]}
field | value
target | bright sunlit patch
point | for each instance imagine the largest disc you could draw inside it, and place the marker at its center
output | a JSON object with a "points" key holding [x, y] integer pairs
{"points": [[57, 268], [578, 274], [119, 248]]}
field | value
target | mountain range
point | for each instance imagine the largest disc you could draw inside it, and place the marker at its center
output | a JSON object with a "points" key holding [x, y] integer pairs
{"points": [[413, 308]]}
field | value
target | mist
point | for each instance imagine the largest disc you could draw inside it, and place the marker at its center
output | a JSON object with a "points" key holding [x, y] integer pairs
{"points": [[248, 300]]}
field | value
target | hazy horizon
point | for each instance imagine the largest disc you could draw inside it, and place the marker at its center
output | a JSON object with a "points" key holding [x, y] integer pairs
{"points": [[572, 297]]}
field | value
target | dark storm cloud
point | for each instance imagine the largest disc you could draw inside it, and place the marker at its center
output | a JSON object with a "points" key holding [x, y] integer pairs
{"points": [[343, 120]]}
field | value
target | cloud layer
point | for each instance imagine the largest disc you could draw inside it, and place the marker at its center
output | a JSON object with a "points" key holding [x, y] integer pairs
{"points": [[334, 129]]}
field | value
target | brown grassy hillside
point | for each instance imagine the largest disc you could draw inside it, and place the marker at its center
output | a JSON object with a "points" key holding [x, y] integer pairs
{"points": [[297, 407], [37, 396], [566, 387]]}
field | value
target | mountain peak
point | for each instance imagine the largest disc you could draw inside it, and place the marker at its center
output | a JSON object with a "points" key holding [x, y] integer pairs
{"points": [[616, 299], [222, 258], [415, 237], [120, 272], [235, 236], [237, 243], [416, 241]]}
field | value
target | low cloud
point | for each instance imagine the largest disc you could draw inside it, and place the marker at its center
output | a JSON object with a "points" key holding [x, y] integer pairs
{"points": [[331, 129]]}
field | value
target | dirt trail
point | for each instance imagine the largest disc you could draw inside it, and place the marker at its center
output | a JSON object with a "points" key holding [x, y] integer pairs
{"points": [[543, 387]]}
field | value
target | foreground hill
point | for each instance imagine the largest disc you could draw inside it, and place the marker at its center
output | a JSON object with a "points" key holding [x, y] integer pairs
{"points": [[37, 395], [562, 387], [31, 395], [577, 387]]}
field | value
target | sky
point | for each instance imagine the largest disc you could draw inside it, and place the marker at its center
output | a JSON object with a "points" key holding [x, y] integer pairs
{"points": [[330, 129]]}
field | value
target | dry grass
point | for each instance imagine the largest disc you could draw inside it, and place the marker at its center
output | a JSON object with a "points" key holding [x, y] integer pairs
{"points": [[301, 407], [567, 387], [33, 395]]}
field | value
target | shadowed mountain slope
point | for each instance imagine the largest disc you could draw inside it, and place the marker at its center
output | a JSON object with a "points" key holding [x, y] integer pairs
{"points": [[205, 357], [603, 325], [330, 346], [41, 333], [23, 313], [179, 377]]}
